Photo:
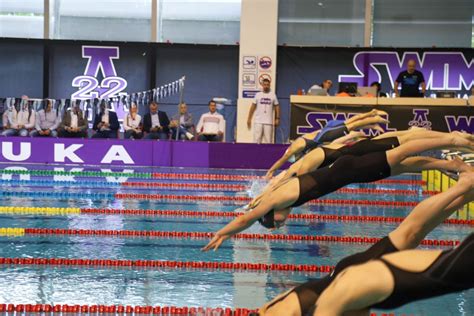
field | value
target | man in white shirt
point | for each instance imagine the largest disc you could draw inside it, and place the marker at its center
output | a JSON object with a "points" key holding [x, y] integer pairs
{"points": [[132, 123], [211, 125], [263, 105], [21, 121], [47, 121]]}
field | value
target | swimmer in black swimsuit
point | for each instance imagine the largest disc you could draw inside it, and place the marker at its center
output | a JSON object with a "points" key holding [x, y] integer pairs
{"points": [[273, 209], [310, 141], [399, 278], [328, 154], [423, 219]]}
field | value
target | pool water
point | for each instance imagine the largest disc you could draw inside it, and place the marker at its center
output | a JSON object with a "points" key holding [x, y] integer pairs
{"points": [[27, 284]]}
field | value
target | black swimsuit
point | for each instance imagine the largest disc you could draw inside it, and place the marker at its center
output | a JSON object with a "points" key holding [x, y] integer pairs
{"points": [[325, 179], [451, 272], [309, 292], [360, 148], [346, 170]]}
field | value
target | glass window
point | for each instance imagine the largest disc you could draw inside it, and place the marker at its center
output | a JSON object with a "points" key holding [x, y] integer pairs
{"points": [[423, 23], [111, 20], [472, 44], [321, 22], [199, 21], [23, 19]]}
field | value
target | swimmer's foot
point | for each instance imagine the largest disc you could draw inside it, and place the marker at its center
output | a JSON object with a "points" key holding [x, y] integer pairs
{"points": [[376, 112], [463, 142], [464, 135], [460, 165], [467, 178]]}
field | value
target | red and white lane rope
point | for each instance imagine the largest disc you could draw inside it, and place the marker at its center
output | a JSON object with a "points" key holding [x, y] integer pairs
{"points": [[319, 217], [49, 309], [207, 235], [238, 188], [65, 211], [241, 200]]}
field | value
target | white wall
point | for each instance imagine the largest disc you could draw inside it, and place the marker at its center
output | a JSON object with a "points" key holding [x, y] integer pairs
{"points": [[258, 37]]}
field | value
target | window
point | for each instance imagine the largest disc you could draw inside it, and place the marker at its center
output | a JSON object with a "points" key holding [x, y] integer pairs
{"points": [[110, 20], [199, 21], [22, 19], [321, 22], [423, 23]]}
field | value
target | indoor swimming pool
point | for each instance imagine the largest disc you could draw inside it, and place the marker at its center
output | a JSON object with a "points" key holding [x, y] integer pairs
{"points": [[123, 218]]}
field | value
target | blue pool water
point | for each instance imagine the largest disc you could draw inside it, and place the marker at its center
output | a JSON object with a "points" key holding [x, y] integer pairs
{"points": [[179, 287]]}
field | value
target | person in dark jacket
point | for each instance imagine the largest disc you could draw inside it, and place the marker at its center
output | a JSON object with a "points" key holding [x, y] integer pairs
{"points": [[106, 123], [156, 123], [74, 123]]}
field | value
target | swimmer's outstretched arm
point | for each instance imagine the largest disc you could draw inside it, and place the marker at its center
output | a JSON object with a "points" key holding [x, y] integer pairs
{"points": [[358, 121], [365, 115], [237, 225], [295, 148], [353, 135], [280, 199]]}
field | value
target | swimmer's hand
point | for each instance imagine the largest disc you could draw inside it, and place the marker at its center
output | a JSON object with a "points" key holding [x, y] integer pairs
{"points": [[215, 242], [269, 175]]}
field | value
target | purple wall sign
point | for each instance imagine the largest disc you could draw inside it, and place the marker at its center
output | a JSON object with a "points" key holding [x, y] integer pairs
{"points": [[138, 153], [100, 59], [442, 70], [76, 151]]}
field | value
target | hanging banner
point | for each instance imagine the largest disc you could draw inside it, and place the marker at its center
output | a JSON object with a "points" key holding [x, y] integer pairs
{"points": [[306, 118]]}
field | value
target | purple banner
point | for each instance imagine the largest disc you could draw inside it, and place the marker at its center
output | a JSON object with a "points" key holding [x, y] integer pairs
{"points": [[138, 153]]}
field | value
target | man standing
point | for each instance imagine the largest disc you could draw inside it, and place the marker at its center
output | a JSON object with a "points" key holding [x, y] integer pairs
{"points": [[156, 123], [263, 105], [211, 125], [411, 79]]}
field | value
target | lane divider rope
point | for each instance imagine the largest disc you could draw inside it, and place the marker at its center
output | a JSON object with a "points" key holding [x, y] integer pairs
{"points": [[220, 177], [129, 310], [190, 186], [189, 213], [240, 200], [227, 266], [320, 217], [226, 199], [145, 175], [185, 176], [123, 309], [12, 231], [207, 235], [234, 187]]}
